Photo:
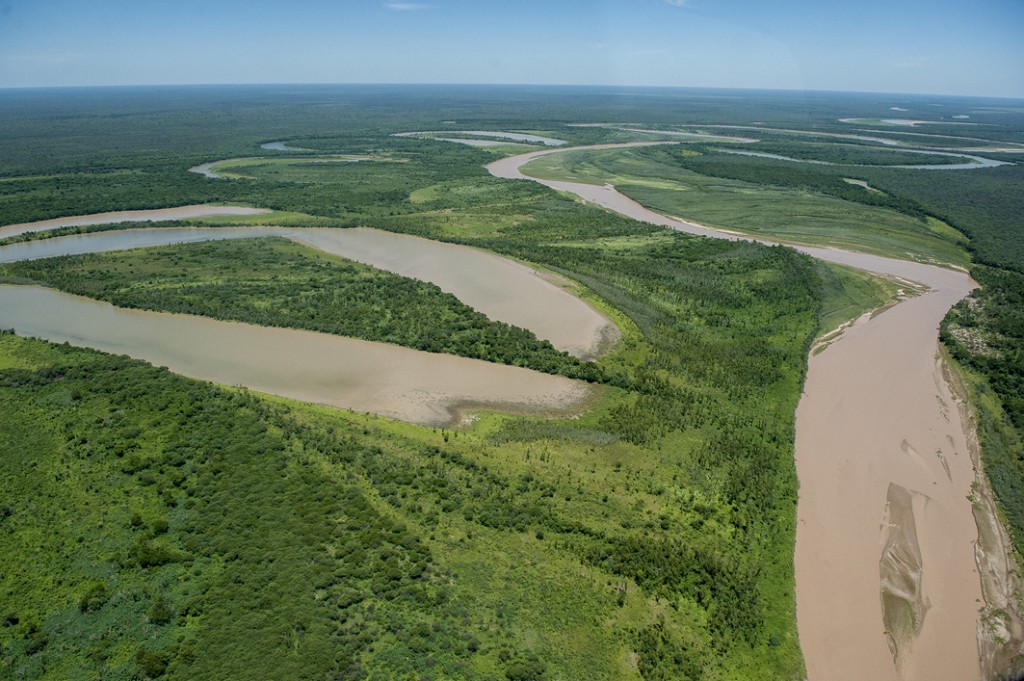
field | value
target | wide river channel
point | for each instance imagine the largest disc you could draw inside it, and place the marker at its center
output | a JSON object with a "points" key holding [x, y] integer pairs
{"points": [[885, 473]]}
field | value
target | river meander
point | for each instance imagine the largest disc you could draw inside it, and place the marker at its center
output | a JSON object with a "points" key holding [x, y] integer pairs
{"points": [[881, 451], [389, 380], [385, 379], [503, 289], [878, 425]]}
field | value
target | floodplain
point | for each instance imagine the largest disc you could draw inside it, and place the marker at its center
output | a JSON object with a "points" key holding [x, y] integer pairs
{"points": [[650, 536]]}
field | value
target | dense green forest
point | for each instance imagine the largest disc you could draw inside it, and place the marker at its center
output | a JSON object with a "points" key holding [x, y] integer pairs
{"points": [[195, 531], [984, 205], [985, 332]]}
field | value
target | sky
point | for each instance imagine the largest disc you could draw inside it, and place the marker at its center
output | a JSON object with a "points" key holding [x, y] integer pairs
{"points": [[946, 47]]}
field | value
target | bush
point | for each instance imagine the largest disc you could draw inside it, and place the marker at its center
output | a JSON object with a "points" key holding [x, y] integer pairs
{"points": [[525, 669], [159, 612], [153, 665], [94, 598]]}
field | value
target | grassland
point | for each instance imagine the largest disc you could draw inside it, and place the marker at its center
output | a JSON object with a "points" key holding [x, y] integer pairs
{"points": [[658, 180]]}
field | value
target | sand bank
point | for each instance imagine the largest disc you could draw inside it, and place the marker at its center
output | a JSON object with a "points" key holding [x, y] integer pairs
{"points": [[877, 415]]}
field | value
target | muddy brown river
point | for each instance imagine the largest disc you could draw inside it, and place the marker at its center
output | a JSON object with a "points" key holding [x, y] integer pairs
{"points": [[385, 379], [389, 380], [505, 290]]}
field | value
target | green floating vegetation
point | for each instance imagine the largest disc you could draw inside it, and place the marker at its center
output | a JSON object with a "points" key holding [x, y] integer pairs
{"points": [[274, 282]]}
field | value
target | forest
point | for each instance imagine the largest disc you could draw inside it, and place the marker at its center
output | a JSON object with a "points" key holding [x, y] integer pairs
{"points": [[205, 532]]}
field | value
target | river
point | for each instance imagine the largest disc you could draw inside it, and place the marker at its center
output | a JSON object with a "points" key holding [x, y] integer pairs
{"points": [[415, 386], [881, 451], [179, 213], [420, 387], [503, 289], [885, 470]]}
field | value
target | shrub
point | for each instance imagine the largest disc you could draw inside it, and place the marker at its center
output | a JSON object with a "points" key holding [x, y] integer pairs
{"points": [[94, 598], [153, 665]]}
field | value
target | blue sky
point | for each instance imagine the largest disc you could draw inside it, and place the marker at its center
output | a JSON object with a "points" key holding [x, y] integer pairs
{"points": [[967, 47]]}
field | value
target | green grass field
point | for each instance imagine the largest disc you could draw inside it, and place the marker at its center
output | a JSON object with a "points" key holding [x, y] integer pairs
{"points": [[789, 215]]}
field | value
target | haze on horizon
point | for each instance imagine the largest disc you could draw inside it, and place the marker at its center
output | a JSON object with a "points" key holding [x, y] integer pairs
{"points": [[959, 47]]}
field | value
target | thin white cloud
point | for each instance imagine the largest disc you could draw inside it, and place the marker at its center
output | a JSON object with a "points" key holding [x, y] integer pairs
{"points": [[679, 3], [405, 6]]}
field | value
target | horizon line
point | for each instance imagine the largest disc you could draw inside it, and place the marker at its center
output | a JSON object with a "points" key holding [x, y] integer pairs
{"points": [[140, 86]]}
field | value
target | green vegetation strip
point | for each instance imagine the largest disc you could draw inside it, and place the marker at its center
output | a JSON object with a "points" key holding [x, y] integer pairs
{"points": [[761, 204]]}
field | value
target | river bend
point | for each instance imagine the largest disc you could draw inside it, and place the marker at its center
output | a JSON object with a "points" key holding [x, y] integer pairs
{"points": [[885, 472]]}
